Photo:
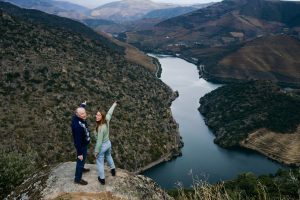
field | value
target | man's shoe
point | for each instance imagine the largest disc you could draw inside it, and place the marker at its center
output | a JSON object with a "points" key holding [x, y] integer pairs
{"points": [[81, 182], [85, 170], [102, 181], [113, 172]]}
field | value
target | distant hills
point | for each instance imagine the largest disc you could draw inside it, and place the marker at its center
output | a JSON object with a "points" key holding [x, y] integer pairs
{"points": [[118, 11], [61, 8], [207, 35], [127, 10], [49, 65], [132, 10], [115, 17]]}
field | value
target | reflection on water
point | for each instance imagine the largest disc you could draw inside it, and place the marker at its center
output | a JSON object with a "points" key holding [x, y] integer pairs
{"points": [[201, 158]]}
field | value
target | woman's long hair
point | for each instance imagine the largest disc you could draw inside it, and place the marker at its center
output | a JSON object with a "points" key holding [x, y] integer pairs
{"points": [[102, 121]]}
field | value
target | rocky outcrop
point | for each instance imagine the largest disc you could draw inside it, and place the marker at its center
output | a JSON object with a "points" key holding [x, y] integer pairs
{"points": [[57, 183]]}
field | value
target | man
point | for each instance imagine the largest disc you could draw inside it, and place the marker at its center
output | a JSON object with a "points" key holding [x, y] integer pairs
{"points": [[81, 136]]}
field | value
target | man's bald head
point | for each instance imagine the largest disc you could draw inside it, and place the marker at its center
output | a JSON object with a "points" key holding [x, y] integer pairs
{"points": [[81, 113]]}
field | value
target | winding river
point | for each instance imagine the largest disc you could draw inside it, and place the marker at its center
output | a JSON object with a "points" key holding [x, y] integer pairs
{"points": [[201, 159]]}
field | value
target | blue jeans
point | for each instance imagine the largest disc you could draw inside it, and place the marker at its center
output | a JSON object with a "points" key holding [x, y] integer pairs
{"points": [[105, 152], [80, 165]]}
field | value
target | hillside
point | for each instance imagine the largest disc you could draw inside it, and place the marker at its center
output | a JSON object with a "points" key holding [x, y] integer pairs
{"points": [[274, 58], [53, 21], [169, 12], [46, 72], [235, 111], [136, 56], [206, 35]]}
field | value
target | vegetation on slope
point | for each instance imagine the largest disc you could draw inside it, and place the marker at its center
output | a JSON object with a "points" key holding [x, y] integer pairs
{"points": [[236, 110], [284, 185], [53, 21], [267, 58], [46, 72]]}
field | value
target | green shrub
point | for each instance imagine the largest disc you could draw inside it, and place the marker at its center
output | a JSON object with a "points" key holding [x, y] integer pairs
{"points": [[14, 168]]}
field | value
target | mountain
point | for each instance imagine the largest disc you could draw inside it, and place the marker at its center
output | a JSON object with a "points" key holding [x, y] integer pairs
{"points": [[46, 71], [169, 12], [127, 10], [274, 58], [141, 19], [61, 8], [207, 35]]}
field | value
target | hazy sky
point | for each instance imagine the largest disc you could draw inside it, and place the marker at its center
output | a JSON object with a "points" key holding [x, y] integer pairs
{"points": [[95, 3]]}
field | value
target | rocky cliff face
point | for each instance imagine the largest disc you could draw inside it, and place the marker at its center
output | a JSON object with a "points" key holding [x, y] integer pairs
{"points": [[57, 183]]}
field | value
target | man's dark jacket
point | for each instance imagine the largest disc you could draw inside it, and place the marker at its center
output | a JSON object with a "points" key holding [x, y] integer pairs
{"points": [[81, 134]]}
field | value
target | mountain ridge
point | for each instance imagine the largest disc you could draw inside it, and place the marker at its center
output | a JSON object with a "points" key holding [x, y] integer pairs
{"points": [[127, 10], [61, 8]]}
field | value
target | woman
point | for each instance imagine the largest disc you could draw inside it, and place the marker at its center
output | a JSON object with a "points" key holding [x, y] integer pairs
{"points": [[103, 145]]}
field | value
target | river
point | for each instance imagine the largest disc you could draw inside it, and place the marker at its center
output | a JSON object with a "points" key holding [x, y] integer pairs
{"points": [[201, 159]]}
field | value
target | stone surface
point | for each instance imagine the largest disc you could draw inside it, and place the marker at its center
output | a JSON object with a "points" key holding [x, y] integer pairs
{"points": [[59, 184]]}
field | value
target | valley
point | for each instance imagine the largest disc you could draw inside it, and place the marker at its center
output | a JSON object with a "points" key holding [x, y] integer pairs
{"points": [[211, 35], [239, 57]]}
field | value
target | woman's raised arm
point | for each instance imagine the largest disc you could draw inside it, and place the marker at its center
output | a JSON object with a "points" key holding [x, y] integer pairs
{"points": [[110, 112]]}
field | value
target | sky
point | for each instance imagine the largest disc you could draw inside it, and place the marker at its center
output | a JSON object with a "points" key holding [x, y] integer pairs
{"points": [[96, 3]]}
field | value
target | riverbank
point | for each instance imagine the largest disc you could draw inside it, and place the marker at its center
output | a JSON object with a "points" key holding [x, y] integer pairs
{"points": [[175, 152]]}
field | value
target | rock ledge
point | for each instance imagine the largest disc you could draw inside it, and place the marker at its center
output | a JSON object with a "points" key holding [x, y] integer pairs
{"points": [[57, 183]]}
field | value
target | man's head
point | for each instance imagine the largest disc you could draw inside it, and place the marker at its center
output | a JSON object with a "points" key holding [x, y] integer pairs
{"points": [[81, 113]]}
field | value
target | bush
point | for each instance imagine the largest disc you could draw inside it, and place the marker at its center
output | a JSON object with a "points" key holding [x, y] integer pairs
{"points": [[14, 168], [284, 185]]}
